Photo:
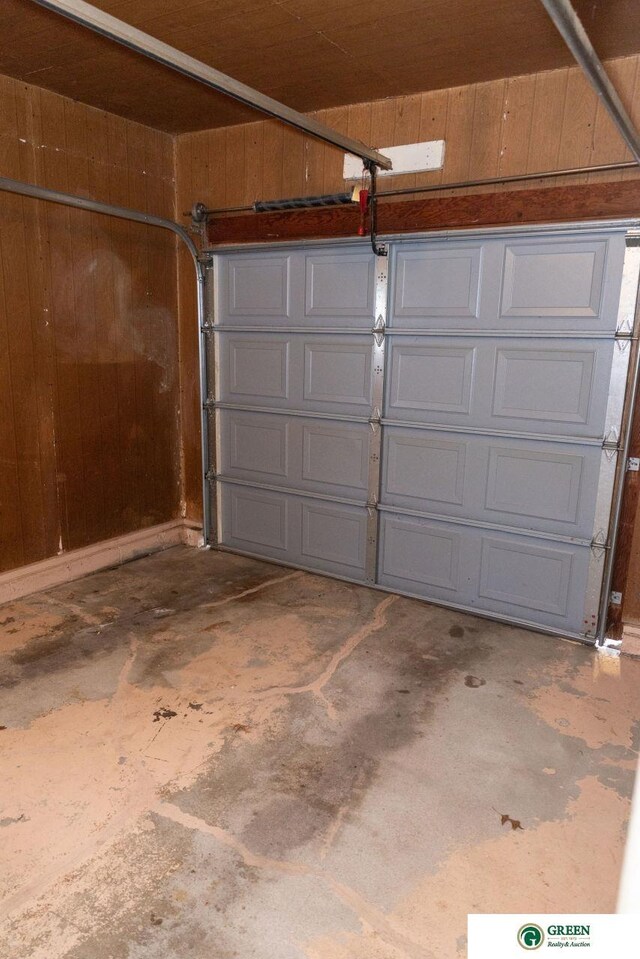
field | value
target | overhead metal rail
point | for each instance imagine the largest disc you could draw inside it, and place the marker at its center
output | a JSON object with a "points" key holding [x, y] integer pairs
{"points": [[124, 213], [95, 206], [576, 38], [123, 33]]}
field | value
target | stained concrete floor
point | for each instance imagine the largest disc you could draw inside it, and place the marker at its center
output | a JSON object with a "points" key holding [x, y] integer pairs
{"points": [[206, 757]]}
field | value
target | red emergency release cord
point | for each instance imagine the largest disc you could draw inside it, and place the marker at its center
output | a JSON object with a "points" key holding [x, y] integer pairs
{"points": [[363, 200]]}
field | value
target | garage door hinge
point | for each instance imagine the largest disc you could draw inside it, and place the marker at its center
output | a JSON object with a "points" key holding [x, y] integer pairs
{"points": [[611, 443], [379, 330], [372, 505], [375, 419], [211, 476], [209, 404], [623, 340], [625, 330], [599, 542]]}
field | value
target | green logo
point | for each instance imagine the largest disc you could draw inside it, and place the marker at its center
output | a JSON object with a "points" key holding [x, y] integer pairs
{"points": [[530, 936]]}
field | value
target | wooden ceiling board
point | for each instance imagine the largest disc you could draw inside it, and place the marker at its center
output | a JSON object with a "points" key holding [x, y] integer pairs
{"points": [[311, 54], [335, 13]]}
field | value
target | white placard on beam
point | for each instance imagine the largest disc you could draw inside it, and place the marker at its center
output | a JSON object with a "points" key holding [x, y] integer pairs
{"points": [[408, 158]]}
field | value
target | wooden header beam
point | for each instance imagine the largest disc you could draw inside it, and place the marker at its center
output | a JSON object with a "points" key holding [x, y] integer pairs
{"points": [[550, 205]]}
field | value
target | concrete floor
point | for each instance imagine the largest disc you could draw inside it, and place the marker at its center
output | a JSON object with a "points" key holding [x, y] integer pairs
{"points": [[208, 757]]}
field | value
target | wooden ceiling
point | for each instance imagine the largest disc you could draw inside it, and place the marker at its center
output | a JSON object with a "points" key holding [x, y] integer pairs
{"points": [[308, 53]]}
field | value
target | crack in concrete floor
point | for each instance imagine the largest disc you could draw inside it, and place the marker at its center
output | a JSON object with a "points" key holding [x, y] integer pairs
{"points": [[370, 918]]}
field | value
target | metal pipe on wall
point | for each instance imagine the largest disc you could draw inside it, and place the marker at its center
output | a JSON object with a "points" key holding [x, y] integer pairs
{"points": [[96, 206], [576, 38], [124, 213], [440, 187]]}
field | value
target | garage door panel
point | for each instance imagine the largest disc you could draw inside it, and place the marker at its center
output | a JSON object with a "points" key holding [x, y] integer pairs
{"points": [[335, 456], [554, 384], [330, 537], [423, 553], [256, 518], [542, 484], [258, 368], [255, 446], [518, 573], [541, 386], [539, 582], [560, 280], [435, 284], [339, 287], [338, 374], [526, 484], [315, 455], [518, 577], [258, 287], [423, 470], [298, 289], [318, 373], [431, 378], [543, 284], [562, 284]]}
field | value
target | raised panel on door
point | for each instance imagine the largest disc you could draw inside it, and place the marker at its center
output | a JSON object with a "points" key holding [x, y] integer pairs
{"points": [[545, 283], [255, 370], [329, 537], [424, 470], [306, 454], [335, 457], [316, 373], [553, 384], [297, 288], [532, 385], [561, 284], [258, 287], [431, 378], [337, 373], [339, 288], [425, 556], [520, 577], [255, 519], [255, 446], [522, 574], [538, 486], [333, 536], [506, 481], [433, 285]]}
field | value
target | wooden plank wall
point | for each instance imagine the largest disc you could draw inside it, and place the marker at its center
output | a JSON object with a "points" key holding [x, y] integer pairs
{"points": [[542, 121], [89, 425], [532, 123]]}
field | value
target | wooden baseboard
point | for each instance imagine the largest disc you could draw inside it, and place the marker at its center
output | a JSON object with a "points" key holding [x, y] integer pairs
{"points": [[111, 552], [630, 640]]}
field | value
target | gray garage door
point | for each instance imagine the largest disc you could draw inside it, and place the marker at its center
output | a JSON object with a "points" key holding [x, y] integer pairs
{"points": [[440, 422]]}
